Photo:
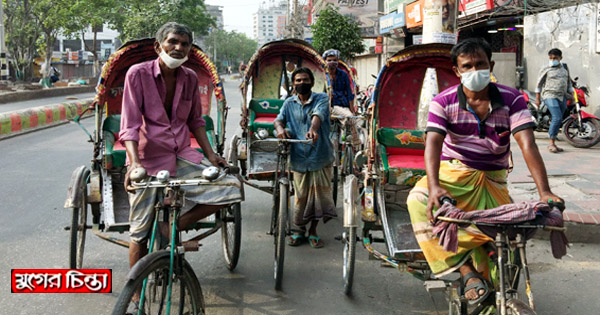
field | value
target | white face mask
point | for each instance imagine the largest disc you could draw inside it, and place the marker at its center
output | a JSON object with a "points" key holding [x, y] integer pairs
{"points": [[170, 62], [475, 80], [553, 63]]}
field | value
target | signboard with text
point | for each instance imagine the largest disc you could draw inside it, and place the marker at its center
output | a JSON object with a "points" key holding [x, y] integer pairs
{"points": [[365, 11], [392, 5], [392, 21], [468, 7], [414, 14]]}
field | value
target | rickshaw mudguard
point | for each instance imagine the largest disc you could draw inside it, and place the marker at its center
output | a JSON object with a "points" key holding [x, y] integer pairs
{"points": [[74, 194]]}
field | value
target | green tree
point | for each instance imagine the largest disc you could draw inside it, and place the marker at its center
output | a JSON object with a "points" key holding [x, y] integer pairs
{"points": [[22, 33], [142, 18], [232, 47], [52, 16], [94, 14], [334, 30]]}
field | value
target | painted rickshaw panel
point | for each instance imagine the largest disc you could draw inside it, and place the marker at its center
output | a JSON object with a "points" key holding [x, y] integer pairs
{"points": [[397, 146], [267, 81]]}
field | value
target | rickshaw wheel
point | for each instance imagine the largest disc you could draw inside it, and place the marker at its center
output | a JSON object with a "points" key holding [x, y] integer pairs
{"points": [[349, 258], [186, 296], [78, 229], [280, 234], [231, 234], [518, 307]]}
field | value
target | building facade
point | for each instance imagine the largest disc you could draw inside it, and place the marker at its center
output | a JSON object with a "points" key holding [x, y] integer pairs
{"points": [[270, 22]]}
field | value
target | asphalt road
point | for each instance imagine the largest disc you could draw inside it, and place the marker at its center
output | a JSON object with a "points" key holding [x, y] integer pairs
{"points": [[35, 169], [9, 107]]}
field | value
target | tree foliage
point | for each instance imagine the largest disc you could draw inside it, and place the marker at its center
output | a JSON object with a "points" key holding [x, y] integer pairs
{"points": [[142, 18], [22, 33], [52, 17], [333, 30], [232, 47]]}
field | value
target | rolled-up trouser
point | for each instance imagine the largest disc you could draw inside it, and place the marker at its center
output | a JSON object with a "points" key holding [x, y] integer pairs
{"points": [[345, 111], [226, 191], [557, 109]]}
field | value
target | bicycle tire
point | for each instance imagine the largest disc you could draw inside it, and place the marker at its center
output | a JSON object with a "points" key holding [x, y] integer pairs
{"points": [[231, 234], [78, 230], [280, 234], [349, 258], [157, 271], [518, 307]]}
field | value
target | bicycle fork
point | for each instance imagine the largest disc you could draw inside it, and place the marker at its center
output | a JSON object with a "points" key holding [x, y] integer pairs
{"points": [[521, 246]]}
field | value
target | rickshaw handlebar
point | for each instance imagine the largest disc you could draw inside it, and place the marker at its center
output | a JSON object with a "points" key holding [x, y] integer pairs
{"points": [[351, 117], [307, 141], [209, 176]]}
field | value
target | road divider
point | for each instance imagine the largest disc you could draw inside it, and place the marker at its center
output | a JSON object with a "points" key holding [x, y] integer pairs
{"points": [[20, 121]]}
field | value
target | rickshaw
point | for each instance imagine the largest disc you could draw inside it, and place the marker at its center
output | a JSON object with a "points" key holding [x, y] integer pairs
{"points": [[266, 84], [394, 163], [341, 145], [99, 186]]}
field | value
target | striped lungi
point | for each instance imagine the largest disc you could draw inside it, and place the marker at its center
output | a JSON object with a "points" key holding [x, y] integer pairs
{"points": [[226, 191], [313, 196], [473, 190]]}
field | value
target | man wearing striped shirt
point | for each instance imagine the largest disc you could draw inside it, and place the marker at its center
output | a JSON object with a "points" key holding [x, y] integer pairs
{"points": [[466, 158]]}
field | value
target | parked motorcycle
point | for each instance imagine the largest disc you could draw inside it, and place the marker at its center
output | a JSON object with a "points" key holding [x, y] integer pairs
{"points": [[581, 129]]}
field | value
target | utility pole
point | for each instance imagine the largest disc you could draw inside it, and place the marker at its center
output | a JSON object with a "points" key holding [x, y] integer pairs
{"points": [[3, 60]]}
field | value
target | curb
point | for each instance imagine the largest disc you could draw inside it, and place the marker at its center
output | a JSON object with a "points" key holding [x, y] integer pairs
{"points": [[18, 122], [20, 96], [576, 233]]}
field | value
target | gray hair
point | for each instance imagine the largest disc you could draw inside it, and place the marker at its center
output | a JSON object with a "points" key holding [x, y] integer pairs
{"points": [[175, 28]]}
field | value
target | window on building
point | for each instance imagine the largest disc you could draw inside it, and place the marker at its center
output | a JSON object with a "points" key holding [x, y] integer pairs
{"points": [[72, 44]]}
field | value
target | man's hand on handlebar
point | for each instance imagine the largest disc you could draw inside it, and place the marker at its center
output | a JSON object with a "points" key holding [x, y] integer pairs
{"points": [[127, 183], [435, 193], [217, 160], [282, 133], [551, 197], [312, 134]]}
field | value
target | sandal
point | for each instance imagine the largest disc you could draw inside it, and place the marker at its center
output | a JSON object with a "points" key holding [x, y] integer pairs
{"points": [[295, 239], [315, 241], [553, 149], [477, 286]]}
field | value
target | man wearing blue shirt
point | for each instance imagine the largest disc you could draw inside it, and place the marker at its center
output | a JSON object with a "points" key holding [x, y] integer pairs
{"points": [[306, 116], [342, 97]]}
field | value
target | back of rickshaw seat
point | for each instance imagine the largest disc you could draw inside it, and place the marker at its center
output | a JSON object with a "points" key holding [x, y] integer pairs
{"points": [[263, 113], [114, 150], [402, 155]]}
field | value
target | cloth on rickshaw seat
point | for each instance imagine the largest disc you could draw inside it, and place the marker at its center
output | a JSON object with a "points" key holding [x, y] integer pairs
{"points": [[511, 213], [265, 119]]}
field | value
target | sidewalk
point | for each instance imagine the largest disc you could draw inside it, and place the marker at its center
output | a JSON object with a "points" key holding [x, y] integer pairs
{"points": [[574, 176]]}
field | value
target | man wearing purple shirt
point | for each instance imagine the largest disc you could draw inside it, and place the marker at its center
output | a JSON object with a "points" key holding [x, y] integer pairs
{"points": [[466, 158], [161, 105]]}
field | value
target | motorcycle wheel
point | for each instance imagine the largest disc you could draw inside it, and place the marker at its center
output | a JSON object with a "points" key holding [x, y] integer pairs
{"points": [[586, 136]]}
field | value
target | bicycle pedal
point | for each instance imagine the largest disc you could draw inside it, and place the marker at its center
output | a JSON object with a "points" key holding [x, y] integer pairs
{"points": [[191, 246], [338, 237]]}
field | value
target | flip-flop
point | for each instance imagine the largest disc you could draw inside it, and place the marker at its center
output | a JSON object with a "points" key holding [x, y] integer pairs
{"points": [[295, 239], [477, 286], [553, 149], [315, 241]]}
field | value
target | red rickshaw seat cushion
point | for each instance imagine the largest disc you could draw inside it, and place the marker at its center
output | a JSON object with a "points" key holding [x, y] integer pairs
{"points": [[405, 158]]}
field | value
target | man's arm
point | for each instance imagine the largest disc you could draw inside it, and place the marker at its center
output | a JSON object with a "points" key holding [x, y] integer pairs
{"points": [[200, 135], [526, 140], [280, 122], [539, 86], [433, 151], [313, 131]]}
